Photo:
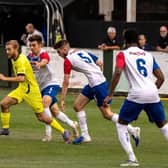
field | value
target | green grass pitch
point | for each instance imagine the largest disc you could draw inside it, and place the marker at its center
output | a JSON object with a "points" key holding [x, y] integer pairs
{"points": [[24, 149]]}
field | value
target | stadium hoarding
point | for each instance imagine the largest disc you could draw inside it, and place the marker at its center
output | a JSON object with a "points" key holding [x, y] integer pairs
{"points": [[78, 80]]}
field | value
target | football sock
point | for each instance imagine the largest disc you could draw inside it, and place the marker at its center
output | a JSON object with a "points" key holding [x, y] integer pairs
{"points": [[115, 117], [48, 129], [81, 115], [131, 129], [64, 118], [5, 118], [57, 126], [124, 139], [164, 131], [115, 120]]}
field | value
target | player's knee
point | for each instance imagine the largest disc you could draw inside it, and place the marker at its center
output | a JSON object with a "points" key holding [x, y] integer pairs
{"points": [[76, 107], [40, 117], [46, 101], [54, 110], [4, 104]]}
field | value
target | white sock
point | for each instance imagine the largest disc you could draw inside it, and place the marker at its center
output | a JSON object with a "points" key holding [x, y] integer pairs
{"points": [[164, 131], [48, 129], [64, 118], [81, 115], [124, 138], [130, 128], [115, 117]]}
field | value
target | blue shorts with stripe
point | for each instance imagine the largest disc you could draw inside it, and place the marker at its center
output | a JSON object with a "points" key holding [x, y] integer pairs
{"points": [[52, 91], [131, 110], [99, 93]]}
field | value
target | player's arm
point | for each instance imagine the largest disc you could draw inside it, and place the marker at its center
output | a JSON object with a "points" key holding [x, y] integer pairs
{"points": [[100, 64], [120, 64], [18, 78], [96, 60], [65, 84], [158, 74], [42, 63], [44, 60]]}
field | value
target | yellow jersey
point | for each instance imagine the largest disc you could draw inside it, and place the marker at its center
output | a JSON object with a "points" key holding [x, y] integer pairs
{"points": [[22, 66]]}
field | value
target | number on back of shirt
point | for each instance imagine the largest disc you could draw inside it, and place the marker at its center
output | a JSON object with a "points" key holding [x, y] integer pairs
{"points": [[141, 67], [85, 57]]}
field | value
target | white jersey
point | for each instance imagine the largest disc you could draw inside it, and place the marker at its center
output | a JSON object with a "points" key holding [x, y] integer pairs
{"points": [[46, 75], [84, 62], [138, 68]]}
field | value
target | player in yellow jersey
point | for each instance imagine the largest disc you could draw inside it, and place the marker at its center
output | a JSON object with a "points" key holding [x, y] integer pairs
{"points": [[27, 90]]}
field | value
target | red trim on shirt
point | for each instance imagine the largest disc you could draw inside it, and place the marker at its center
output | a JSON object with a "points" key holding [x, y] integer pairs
{"points": [[44, 55], [120, 60], [67, 66]]}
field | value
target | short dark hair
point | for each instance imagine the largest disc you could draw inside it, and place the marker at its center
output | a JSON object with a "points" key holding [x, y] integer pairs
{"points": [[131, 36], [35, 38], [61, 43]]}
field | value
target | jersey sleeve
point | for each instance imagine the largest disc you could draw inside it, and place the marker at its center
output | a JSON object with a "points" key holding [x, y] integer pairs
{"points": [[67, 66], [45, 55], [120, 60], [21, 68], [155, 65], [94, 57]]}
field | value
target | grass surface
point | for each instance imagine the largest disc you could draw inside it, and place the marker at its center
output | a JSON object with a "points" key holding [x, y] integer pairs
{"points": [[24, 149]]}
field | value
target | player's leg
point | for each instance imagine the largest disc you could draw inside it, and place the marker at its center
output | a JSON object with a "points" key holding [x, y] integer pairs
{"points": [[100, 93], [5, 114], [156, 113], [35, 101], [54, 124], [48, 130], [63, 117], [80, 102], [13, 98], [48, 94], [129, 112]]}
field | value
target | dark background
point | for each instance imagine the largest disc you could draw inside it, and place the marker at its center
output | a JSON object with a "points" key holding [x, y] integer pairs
{"points": [[84, 27]]}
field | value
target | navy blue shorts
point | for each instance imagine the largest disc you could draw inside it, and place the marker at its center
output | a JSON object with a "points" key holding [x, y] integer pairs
{"points": [[52, 91], [131, 110], [99, 93]]}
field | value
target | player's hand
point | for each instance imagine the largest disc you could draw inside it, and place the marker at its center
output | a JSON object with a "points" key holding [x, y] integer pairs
{"points": [[107, 101], [62, 105], [2, 77], [38, 65]]}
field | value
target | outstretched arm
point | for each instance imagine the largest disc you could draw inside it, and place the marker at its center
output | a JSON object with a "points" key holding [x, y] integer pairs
{"points": [[42, 63], [19, 78], [120, 64], [159, 77], [114, 81], [67, 71], [64, 90]]}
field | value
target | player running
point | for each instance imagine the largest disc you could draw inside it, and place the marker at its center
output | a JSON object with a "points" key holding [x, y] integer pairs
{"points": [[44, 70], [97, 89], [139, 67], [27, 90]]}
